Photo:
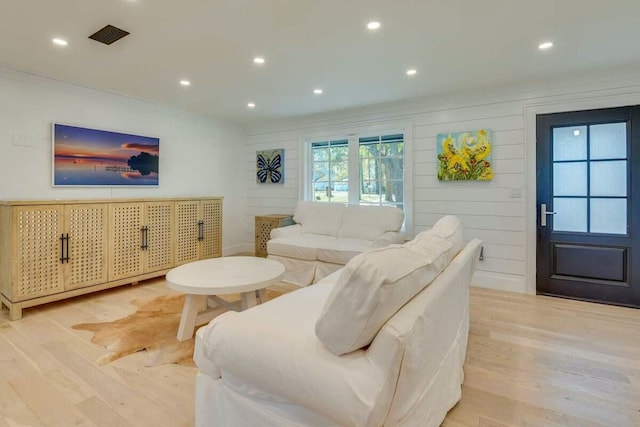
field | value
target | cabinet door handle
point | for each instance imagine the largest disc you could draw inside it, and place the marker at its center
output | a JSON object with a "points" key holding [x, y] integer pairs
{"points": [[62, 249], [145, 237], [64, 245], [200, 230]]}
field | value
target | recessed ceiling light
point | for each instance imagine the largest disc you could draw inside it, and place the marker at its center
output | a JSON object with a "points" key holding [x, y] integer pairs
{"points": [[373, 25], [251, 105], [185, 82], [545, 45], [317, 91], [576, 132], [411, 72], [59, 41], [258, 60]]}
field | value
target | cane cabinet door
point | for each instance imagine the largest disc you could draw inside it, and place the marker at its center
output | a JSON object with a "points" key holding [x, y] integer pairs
{"points": [[125, 240], [37, 251], [187, 231], [85, 252], [211, 229], [198, 230], [157, 236]]}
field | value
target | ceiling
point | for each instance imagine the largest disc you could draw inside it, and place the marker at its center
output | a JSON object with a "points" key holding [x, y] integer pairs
{"points": [[455, 45]]}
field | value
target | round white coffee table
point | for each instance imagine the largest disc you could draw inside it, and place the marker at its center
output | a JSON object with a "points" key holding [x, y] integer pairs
{"points": [[202, 280]]}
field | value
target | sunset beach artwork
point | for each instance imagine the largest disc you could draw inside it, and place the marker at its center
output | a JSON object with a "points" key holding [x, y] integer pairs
{"points": [[91, 157]]}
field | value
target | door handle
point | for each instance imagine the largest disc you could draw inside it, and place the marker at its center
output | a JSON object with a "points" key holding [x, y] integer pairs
{"points": [[543, 214]]}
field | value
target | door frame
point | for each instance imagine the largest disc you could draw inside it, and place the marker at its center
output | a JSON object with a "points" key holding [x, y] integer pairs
{"points": [[620, 99]]}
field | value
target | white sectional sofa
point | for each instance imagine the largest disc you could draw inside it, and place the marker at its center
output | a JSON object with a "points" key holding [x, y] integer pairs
{"points": [[380, 342], [327, 235]]}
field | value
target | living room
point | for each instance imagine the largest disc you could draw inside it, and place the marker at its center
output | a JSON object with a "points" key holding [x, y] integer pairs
{"points": [[207, 150]]}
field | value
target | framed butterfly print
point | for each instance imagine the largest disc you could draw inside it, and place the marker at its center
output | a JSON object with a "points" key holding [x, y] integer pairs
{"points": [[270, 166]]}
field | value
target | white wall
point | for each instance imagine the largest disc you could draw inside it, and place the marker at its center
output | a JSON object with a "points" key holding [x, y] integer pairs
{"points": [[197, 153], [505, 224]]}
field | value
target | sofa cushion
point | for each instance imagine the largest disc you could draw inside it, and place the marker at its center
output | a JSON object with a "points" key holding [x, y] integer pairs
{"points": [[431, 246], [340, 251], [319, 218], [302, 246], [370, 222], [372, 287], [450, 227]]}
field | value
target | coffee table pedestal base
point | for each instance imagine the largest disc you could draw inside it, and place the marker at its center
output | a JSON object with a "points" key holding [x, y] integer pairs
{"points": [[192, 315]]}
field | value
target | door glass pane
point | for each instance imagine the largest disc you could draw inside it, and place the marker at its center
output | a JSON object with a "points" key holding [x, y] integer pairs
{"points": [[571, 214], [570, 179], [570, 143], [609, 216], [608, 141], [609, 178]]}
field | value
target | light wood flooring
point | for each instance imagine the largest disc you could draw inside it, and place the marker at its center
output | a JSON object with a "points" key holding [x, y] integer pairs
{"points": [[532, 361]]}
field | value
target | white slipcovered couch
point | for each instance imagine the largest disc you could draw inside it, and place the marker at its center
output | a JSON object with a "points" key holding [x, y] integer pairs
{"points": [[327, 235], [371, 345]]}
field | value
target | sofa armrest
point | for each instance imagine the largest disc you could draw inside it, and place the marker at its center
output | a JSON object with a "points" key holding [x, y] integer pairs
{"points": [[388, 238], [434, 323], [288, 231]]}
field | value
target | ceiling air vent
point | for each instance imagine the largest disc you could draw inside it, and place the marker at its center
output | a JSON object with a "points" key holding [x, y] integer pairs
{"points": [[108, 34]]}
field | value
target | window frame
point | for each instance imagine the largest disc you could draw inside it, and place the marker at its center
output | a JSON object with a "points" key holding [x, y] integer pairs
{"points": [[352, 135]]}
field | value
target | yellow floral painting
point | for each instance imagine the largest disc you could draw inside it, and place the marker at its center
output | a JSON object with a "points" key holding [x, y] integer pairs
{"points": [[465, 156]]}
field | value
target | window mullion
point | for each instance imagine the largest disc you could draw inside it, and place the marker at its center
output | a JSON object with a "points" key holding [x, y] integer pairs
{"points": [[354, 170]]}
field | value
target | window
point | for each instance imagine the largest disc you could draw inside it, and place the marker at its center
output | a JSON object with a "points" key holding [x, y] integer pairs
{"points": [[375, 178], [368, 165], [366, 168], [381, 171], [330, 168]]}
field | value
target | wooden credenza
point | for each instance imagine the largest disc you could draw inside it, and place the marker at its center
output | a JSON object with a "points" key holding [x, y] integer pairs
{"points": [[52, 250], [263, 226]]}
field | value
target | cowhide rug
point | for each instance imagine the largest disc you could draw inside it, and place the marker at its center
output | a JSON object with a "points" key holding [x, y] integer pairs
{"points": [[152, 328]]}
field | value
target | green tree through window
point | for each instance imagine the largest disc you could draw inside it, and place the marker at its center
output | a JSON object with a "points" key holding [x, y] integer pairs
{"points": [[380, 175], [382, 170]]}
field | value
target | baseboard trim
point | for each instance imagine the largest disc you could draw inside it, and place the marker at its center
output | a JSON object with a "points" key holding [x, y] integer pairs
{"points": [[500, 282], [237, 249]]}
